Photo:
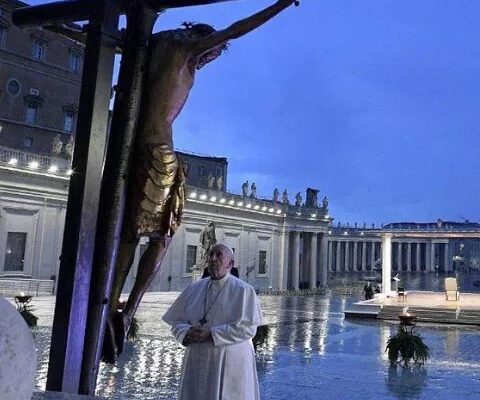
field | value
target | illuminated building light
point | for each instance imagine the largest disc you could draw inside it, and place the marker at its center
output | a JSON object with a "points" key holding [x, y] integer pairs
{"points": [[257, 207], [248, 205], [33, 165], [231, 202], [240, 203], [271, 210], [193, 195], [53, 168], [279, 211], [223, 201], [69, 172], [362, 233], [264, 208], [345, 233], [329, 232], [13, 161], [203, 197], [213, 198], [314, 215]]}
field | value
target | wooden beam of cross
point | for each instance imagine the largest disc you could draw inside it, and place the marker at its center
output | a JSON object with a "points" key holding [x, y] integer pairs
{"points": [[76, 344], [82, 10]]}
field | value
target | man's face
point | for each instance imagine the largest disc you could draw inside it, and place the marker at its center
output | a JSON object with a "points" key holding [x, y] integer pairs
{"points": [[219, 262]]}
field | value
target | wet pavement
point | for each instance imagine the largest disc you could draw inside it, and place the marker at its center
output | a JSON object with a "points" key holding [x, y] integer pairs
{"points": [[311, 352]]}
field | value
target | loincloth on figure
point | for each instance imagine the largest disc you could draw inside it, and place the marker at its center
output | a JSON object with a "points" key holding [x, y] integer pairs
{"points": [[156, 194]]}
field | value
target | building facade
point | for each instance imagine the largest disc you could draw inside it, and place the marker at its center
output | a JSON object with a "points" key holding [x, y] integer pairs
{"points": [[40, 76]]}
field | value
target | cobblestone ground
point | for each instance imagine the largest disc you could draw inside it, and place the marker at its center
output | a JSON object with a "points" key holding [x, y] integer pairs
{"points": [[312, 352]]}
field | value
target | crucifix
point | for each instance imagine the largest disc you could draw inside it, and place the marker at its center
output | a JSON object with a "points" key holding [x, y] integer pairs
{"points": [[138, 190]]}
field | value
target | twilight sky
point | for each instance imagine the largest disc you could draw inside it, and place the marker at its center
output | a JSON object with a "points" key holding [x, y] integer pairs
{"points": [[374, 102]]}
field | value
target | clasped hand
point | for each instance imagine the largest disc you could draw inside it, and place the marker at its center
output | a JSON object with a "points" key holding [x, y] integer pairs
{"points": [[196, 335]]}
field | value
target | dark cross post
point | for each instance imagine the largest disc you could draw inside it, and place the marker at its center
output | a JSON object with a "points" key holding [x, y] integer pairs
{"points": [[76, 345]]}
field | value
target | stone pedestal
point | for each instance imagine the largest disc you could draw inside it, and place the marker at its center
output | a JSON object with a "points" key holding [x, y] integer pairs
{"points": [[18, 356]]}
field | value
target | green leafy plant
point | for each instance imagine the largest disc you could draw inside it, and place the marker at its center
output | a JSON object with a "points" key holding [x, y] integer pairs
{"points": [[407, 348], [26, 310]]}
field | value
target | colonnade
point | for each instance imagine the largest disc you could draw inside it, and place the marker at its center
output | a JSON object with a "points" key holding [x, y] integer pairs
{"points": [[307, 254], [409, 255]]}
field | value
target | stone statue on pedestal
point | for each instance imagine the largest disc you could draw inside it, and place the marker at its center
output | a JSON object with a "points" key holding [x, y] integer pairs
{"points": [[208, 239], [211, 181], [325, 203], [219, 182], [69, 148], [57, 145], [253, 193], [285, 197], [311, 201], [245, 188], [276, 193], [298, 199]]}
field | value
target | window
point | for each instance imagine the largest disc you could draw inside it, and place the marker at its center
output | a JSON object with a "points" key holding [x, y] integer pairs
{"points": [[218, 171], [262, 262], [202, 171], [15, 252], [75, 61], [2, 12], [31, 115], [13, 87], [68, 120], [3, 35], [191, 258], [28, 141], [38, 49]]}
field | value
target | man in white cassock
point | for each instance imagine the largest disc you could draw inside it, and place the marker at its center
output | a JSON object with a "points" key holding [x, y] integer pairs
{"points": [[216, 319]]}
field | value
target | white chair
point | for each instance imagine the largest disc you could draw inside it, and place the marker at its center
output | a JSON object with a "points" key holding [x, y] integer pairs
{"points": [[451, 289]]}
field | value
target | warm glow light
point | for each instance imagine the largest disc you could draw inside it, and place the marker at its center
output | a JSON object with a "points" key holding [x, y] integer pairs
{"points": [[222, 201], [231, 202], [314, 215], [53, 168], [248, 205], [213, 198], [329, 232], [13, 161], [203, 197], [33, 165], [240, 203], [69, 172], [271, 210], [264, 208], [257, 207], [279, 211], [193, 195], [362, 233], [345, 233]]}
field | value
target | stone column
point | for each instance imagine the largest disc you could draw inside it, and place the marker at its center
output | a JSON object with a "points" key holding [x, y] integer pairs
{"points": [[418, 257], [386, 263], [313, 261], [409, 257], [296, 261], [432, 257], [282, 277], [347, 256], [330, 253], [339, 246], [399, 255], [355, 255], [364, 256], [372, 254], [323, 257], [446, 258]]}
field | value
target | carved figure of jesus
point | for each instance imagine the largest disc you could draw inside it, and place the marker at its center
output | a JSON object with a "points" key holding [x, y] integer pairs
{"points": [[155, 195]]}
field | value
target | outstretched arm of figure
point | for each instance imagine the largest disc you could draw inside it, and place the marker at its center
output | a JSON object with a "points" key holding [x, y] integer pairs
{"points": [[241, 27]]}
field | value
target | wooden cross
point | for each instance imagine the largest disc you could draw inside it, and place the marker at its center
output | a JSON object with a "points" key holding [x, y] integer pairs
{"points": [[77, 340]]}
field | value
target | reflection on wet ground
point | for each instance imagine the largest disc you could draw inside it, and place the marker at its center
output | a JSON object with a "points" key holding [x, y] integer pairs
{"points": [[311, 353]]}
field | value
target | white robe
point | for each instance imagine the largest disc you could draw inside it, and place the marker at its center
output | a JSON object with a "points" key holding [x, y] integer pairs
{"points": [[224, 369]]}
